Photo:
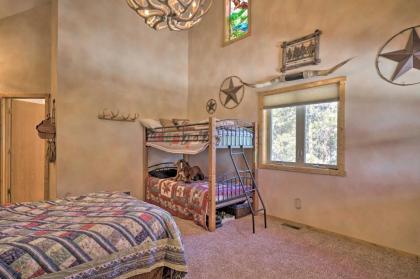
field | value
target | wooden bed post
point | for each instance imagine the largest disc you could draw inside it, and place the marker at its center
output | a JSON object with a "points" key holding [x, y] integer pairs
{"points": [[255, 165], [212, 175], [145, 163]]}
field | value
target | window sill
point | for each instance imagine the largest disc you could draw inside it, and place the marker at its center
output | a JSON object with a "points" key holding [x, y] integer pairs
{"points": [[302, 169]]}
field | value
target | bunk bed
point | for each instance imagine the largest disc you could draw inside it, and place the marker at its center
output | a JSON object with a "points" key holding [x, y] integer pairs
{"points": [[199, 200]]}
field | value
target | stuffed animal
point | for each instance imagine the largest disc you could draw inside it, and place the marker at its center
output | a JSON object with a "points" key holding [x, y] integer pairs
{"points": [[187, 173]]}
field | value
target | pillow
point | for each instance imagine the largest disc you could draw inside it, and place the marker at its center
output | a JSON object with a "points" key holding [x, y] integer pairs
{"points": [[180, 122], [168, 123], [150, 123]]}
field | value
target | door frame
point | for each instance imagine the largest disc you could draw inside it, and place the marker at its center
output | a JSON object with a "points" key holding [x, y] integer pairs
{"points": [[5, 110]]}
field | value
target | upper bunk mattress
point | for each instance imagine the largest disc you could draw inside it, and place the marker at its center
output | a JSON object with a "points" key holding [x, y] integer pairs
{"points": [[99, 235], [195, 139], [179, 142]]}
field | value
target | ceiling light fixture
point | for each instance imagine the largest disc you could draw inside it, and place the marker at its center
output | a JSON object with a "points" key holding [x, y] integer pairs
{"points": [[173, 14]]}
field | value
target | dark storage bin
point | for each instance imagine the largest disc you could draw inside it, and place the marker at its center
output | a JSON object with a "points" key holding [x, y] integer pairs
{"points": [[239, 210]]}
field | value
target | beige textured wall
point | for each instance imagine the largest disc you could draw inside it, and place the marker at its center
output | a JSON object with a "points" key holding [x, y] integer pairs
{"points": [[379, 199], [13, 7], [108, 58], [25, 51]]}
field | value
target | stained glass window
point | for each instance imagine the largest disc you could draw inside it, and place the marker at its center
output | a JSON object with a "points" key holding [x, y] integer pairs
{"points": [[237, 19]]}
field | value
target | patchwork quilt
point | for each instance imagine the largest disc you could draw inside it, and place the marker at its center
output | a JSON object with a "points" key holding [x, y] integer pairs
{"points": [[188, 201], [99, 235]]}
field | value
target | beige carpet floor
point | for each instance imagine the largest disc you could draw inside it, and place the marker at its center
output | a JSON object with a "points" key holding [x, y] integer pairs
{"points": [[281, 252]]}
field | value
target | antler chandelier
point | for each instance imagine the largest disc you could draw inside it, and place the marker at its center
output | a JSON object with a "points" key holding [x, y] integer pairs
{"points": [[173, 14]]}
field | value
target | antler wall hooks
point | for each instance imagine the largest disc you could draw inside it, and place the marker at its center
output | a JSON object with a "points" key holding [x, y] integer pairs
{"points": [[116, 116]]}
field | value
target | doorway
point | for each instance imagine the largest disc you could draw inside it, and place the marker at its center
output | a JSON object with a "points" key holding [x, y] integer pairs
{"points": [[24, 168]]}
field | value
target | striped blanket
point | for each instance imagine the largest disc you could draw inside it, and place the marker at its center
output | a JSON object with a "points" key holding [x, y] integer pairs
{"points": [[99, 235], [186, 142]]}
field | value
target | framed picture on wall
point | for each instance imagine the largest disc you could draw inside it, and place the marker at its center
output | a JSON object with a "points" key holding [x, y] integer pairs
{"points": [[301, 52], [237, 25]]}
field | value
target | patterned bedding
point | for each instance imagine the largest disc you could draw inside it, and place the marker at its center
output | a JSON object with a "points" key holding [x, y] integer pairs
{"points": [[180, 142], [99, 235], [187, 201], [193, 141]]}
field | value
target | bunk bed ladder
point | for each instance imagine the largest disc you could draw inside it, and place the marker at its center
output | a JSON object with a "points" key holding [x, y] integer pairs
{"points": [[248, 193]]}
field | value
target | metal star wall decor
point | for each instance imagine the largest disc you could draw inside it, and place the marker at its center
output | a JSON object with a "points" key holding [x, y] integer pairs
{"points": [[211, 106], [407, 58], [231, 92]]}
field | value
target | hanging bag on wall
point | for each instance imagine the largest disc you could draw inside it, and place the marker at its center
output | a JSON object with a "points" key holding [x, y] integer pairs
{"points": [[51, 151], [46, 130]]}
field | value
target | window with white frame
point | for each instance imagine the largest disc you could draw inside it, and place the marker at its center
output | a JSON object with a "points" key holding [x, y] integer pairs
{"points": [[303, 127]]}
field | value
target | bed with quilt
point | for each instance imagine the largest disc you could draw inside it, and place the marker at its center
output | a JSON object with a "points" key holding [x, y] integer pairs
{"points": [[99, 235], [190, 200]]}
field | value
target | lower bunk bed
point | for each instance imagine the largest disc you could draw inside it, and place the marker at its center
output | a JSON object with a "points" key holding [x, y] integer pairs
{"points": [[190, 200], [99, 235]]}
